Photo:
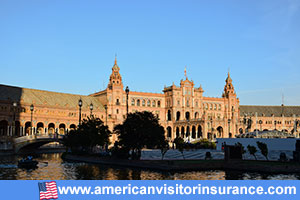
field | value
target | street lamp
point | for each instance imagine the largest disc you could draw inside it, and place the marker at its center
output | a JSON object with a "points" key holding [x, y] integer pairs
{"points": [[275, 122], [127, 92], [229, 128], [31, 109], [80, 105], [91, 108], [105, 107], [14, 118]]}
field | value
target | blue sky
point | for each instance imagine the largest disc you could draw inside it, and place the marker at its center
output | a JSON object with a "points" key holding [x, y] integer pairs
{"points": [[69, 46]]}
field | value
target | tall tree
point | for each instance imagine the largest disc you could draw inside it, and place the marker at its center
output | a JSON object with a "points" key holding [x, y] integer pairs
{"points": [[263, 149], [140, 130], [90, 132], [252, 150]]}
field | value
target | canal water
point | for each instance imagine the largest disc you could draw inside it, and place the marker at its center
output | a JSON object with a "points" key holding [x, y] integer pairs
{"points": [[52, 167]]}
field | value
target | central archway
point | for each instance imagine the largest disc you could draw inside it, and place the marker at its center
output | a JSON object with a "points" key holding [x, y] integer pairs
{"points": [[220, 132]]}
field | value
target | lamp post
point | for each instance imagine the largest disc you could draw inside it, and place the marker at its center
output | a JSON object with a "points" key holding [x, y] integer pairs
{"points": [[105, 107], [91, 108], [275, 122], [31, 109], [229, 127], [14, 118], [80, 104], [127, 92]]}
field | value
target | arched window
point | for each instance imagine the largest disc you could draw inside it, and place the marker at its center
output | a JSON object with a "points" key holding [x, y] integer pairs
{"points": [[193, 132], [241, 131], [215, 107], [187, 131], [182, 132], [219, 106], [169, 117], [177, 132], [187, 103], [187, 115], [148, 103], [178, 116], [196, 115], [153, 104], [169, 132], [199, 134], [143, 102], [158, 104], [138, 102], [132, 102]]}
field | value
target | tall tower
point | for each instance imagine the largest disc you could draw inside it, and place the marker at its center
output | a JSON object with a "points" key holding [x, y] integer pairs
{"points": [[115, 79], [231, 107], [228, 88]]}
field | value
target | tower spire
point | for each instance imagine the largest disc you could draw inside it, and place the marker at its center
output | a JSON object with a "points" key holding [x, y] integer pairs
{"points": [[115, 59], [185, 72]]}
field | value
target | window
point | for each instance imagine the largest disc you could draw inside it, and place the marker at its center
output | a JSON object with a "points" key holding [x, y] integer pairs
{"points": [[132, 102], [118, 102], [187, 103], [196, 103], [158, 104], [210, 106], [138, 102], [178, 102], [215, 107], [187, 115], [219, 107], [178, 116], [117, 111], [143, 102], [169, 117], [153, 104]]}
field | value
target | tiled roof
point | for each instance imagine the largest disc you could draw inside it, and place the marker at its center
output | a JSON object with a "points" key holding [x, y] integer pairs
{"points": [[268, 111], [47, 98]]}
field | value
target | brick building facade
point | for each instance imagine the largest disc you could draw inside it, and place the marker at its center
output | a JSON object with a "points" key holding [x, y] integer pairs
{"points": [[182, 110]]}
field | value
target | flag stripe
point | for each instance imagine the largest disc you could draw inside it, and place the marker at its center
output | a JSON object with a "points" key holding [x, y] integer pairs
{"points": [[48, 190]]}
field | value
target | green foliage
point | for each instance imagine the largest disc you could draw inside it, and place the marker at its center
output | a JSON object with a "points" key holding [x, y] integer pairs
{"points": [[252, 150], [243, 151], [263, 149], [90, 132], [139, 130], [242, 147]]}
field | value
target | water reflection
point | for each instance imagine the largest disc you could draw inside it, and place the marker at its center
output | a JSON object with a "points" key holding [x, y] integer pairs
{"points": [[52, 167]]}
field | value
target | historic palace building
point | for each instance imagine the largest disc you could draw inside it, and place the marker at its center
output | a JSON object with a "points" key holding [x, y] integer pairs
{"points": [[183, 110]]}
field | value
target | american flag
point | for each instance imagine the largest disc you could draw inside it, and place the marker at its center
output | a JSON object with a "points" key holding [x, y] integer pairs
{"points": [[48, 190]]}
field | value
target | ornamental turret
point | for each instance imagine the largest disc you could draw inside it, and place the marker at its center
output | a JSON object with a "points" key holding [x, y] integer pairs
{"points": [[115, 79]]}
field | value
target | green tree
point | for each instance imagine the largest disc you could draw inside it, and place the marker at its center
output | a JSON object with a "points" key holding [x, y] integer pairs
{"points": [[252, 150], [90, 132], [179, 142], [140, 130], [263, 149], [243, 151]]}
